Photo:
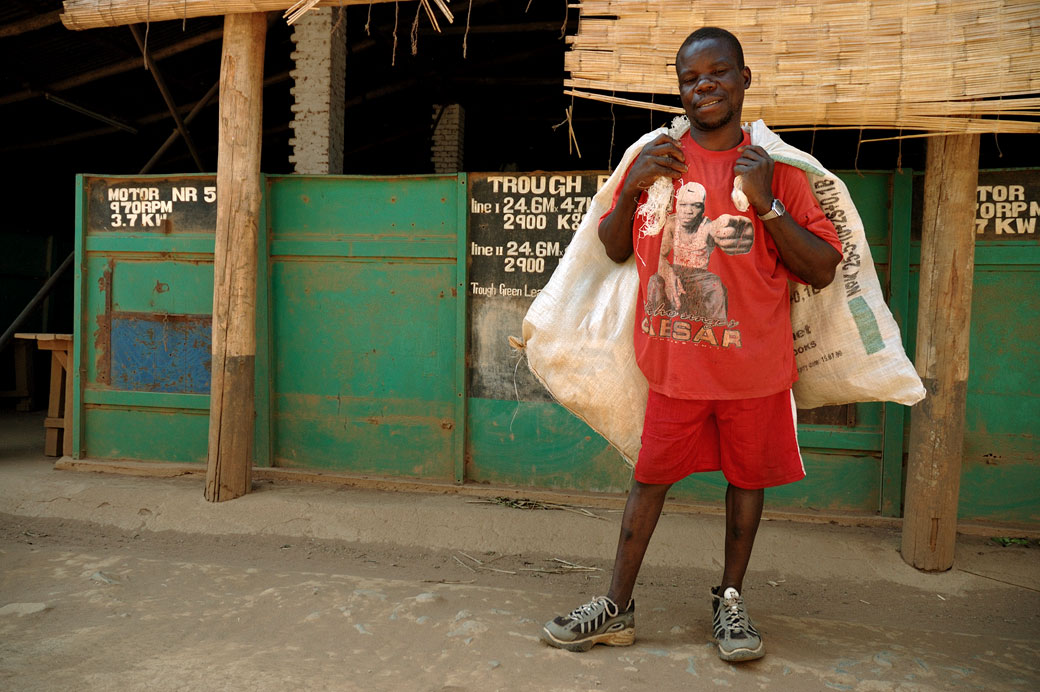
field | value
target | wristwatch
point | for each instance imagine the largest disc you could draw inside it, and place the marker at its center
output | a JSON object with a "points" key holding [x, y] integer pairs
{"points": [[776, 210]]}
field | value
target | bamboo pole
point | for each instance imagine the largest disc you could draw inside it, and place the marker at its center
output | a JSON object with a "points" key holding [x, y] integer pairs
{"points": [[943, 330], [229, 469]]}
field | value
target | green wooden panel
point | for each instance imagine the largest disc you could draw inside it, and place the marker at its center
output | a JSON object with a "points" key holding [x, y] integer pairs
{"points": [[1001, 473], [412, 208], [539, 444], [870, 192], [148, 434], [380, 335], [365, 435], [841, 482], [175, 288]]}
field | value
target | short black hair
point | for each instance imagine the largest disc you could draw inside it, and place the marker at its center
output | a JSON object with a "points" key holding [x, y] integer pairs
{"points": [[709, 32]]}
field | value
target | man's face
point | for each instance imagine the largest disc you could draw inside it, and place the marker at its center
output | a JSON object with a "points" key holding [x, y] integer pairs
{"points": [[711, 83], [689, 210]]}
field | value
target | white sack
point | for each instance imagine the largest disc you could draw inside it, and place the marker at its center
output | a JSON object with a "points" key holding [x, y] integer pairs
{"points": [[578, 331]]}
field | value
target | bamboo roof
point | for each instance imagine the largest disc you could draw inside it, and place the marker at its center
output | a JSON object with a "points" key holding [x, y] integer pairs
{"points": [[933, 65], [93, 14]]}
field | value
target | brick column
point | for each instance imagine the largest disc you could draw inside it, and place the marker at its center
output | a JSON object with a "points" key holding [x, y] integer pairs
{"points": [[448, 132], [319, 76]]}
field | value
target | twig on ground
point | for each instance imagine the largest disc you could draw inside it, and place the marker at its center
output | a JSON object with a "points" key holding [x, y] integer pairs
{"points": [[481, 565], [523, 503]]}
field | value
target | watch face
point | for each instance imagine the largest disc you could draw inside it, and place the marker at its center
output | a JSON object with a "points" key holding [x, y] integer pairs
{"points": [[778, 207]]}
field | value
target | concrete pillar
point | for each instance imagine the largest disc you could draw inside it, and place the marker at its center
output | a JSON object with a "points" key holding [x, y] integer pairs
{"points": [[448, 136], [319, 92]]}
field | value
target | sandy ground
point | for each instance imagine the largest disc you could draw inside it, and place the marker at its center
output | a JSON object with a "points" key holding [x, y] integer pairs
{"points": [[88, 607], [110, 582]]}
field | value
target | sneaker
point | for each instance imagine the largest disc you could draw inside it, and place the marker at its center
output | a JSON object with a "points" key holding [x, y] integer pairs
{"points": [[597, 622], [737, 637]]}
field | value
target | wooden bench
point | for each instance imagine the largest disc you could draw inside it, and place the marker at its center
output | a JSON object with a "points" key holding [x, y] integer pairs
{"points": [[59, 404]]}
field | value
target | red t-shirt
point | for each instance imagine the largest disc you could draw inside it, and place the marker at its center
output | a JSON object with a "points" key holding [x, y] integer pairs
{"points": [[713, 318]]}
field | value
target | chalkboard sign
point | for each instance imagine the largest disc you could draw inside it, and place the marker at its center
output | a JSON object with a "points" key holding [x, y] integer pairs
{"points": [[152, 205], [1007, 205], [519, 226]]}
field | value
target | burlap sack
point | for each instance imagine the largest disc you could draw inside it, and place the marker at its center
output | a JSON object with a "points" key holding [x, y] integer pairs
{"points": [[578, 332]]}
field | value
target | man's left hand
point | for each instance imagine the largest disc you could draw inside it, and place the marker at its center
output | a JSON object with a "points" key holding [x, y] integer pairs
{"points": [[757, 168]]}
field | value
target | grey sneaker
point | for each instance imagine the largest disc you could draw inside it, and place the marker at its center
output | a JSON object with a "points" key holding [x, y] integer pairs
{"points": [[737, 637], [597, 622]]}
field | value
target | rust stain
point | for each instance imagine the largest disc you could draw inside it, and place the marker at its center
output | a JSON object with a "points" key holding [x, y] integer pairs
{"points": [[305, 199], [103, 335], [454, 293], [160, 287]]}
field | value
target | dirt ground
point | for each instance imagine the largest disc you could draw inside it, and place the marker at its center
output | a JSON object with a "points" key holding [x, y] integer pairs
{"points": [[89, 607]]}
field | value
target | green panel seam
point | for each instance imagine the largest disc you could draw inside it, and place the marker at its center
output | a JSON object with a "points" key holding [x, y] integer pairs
{"points": [[827, 439], [891, 500], [132, 399], [262, 452], [152, 243], [79, 329], [428, 247], [461, 239], [1006, 254]]}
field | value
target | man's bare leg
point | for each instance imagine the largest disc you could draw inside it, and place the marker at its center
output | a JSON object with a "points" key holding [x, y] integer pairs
{"points": [[642, 510], [743, 514]]}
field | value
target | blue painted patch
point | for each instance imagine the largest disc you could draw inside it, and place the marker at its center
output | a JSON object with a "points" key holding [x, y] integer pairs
{"points": [[157, 353]]}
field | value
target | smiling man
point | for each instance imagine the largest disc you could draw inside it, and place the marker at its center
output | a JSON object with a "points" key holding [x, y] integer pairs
{"points": [[720, 370]]}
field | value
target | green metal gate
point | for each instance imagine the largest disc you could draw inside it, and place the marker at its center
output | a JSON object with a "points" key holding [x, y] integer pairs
{"points": [[362, 348]]}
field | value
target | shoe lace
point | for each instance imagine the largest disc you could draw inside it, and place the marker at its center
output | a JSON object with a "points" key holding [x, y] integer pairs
{"points": [[735, 616], [589, 610]]}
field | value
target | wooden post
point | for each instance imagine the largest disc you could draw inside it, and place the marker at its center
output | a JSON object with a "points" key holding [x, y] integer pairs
{"points": [[229, 470], [943, 330]]}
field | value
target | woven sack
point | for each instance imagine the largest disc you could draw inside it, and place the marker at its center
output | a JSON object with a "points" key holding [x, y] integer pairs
{"points": [[577, 334]]}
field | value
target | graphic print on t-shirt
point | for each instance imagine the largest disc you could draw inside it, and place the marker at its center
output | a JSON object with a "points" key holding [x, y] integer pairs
{"points": [[683, 286]]}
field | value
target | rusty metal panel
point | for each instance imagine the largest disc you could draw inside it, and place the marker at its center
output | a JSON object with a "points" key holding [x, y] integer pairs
{"points": [[364, 324], [161, 353], [144, 296]]}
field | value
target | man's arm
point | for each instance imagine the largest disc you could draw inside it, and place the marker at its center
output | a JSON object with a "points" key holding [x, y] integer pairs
{"points": [[662, 156], [808, 256]]}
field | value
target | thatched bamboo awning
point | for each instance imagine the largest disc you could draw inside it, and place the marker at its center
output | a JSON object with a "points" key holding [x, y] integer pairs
{"points": [[935, 65], [93, 14]]}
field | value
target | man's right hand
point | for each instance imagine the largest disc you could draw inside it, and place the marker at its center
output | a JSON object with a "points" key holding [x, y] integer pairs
{"points": [[661, 157]]}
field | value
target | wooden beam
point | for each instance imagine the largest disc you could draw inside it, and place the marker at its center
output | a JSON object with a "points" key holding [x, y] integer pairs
{"points": [[230, 458], [943, 330], [196, 109], [167, 97], [94, 14], [31, 24], [113, 69]]}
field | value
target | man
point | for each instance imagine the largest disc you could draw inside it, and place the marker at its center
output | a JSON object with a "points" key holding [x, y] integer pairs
{"points": [[720, 390], [685, 286]]}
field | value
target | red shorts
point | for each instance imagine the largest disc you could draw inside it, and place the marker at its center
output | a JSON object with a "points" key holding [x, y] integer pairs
{"points": [[754, 442]]}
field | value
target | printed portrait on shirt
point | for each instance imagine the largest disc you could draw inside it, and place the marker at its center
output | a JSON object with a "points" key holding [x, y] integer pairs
{"points": [[683, 285]]}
